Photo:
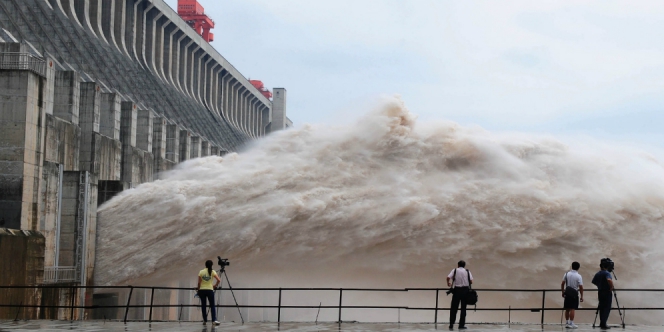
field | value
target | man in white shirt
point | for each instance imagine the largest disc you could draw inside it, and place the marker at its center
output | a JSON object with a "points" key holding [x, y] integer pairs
{"points": [[460, 279], [571, 286]]}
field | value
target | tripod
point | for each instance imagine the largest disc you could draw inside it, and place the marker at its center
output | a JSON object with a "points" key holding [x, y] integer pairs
{"points": [[622, 317], [222, 270]]}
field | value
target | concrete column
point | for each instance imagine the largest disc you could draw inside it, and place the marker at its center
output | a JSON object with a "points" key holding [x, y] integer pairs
{"points": [[108, 21], [67, 245], [159, 137], [178, 60], [128, 139], [94, 13], [185, 145], [169, 31], [139, 32], [254, 117], [185, 68], [173, 65], [205, 81], [257, 118], [195, 151], [266, 119], [70, 219], [214, 90], [205, 148], [194, 70], [225, 88], [109, 123], [244, 111], [233, 109], [144, 130], [83, 13], [21, 119], [159, 145], [148, 35], [278, 109], [157, 45], [89, 117], [129, 119], [173, 142], [70, 10], [67, 94], [120, 25]]}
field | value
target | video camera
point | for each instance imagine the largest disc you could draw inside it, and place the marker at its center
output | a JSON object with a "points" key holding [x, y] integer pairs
{"points": [[607, 263], [223, 262]]}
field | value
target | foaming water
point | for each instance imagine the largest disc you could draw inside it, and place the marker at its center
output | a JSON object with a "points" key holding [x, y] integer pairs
{"points": [[390, 202]]}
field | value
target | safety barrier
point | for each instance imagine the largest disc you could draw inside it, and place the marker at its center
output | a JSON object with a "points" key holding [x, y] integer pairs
{"points": [[59, 274], [279, 306]]}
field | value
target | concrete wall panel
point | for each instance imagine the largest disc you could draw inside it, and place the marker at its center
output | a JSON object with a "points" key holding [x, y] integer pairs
{"points": [[62, 142]]}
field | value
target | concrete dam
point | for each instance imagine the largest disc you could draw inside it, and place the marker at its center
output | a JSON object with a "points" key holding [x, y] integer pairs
{"points": [[98, 96]]}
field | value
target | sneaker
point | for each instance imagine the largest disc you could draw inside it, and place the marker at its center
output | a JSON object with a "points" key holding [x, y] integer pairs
{"points": [[451, 327], [604, 327], [462, 328], [216, 322], [574, 326], [568, 326], [204, 323]]}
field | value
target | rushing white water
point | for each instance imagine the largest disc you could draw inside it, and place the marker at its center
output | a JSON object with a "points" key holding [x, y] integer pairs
{"points": [[390, 202]]}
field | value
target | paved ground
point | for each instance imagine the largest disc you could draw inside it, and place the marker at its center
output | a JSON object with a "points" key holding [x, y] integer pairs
{"points": [[89, 326]]}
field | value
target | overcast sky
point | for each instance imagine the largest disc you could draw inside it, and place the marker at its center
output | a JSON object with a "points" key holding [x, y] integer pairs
{"points": [[560, 67]]}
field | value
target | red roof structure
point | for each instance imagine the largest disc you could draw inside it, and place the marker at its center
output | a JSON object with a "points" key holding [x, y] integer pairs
{"points": [[194, 14]]}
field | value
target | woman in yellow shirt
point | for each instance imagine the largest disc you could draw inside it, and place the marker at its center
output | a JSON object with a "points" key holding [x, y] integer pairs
{"points": [[206, 291]]}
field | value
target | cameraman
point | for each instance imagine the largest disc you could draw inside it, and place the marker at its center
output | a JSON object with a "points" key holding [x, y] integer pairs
{"points": [[459, 278], [571, 286], [206, 291], [604, 284]]}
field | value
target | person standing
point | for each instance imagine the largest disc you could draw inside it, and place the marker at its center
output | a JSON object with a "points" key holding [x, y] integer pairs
{"points": [[571, 287], [604, 283], [460, 279], [206, 291]]}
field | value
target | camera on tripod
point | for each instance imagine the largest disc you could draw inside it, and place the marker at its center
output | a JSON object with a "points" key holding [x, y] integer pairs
{"points": [[223, 262], [607, 263]]}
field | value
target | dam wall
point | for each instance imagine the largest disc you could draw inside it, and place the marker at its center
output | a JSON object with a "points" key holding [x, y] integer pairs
{"points": [[99, 96]]}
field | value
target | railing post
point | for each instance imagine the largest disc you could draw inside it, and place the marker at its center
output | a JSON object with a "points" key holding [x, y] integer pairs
{"points": [[279, 308], [435, 321], [131, 290], [73, 298], [341, 293], [543, 298], [151, 303]]}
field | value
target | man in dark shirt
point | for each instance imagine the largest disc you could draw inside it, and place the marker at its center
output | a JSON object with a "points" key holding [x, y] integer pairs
{"points": [[604, 284]]}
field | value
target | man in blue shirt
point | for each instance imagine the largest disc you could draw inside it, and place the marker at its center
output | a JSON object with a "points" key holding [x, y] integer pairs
{"points": [[604, 284]]}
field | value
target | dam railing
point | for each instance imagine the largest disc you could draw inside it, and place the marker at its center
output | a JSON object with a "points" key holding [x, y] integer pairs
{"points": [[71, 307], [22, 61]]}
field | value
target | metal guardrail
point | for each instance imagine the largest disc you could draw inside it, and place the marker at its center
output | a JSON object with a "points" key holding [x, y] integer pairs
{"points": [[58, 274], [23, 61], [279, 306]]}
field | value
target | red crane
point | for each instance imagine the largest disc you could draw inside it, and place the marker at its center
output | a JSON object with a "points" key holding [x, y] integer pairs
{"points": [[194, 14], [261, 87]]}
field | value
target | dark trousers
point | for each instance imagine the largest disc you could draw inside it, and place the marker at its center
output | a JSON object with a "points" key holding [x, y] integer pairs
{"points": [[459, 296], [605, 301], [207, 295]]}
